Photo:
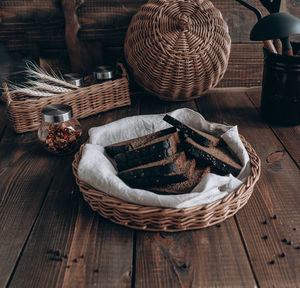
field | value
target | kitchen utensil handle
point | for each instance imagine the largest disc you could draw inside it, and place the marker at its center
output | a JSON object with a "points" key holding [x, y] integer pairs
{"points": [[278, 46], [252, 8], [273, 6], [268, 44], [286, 47], [288, 52]]}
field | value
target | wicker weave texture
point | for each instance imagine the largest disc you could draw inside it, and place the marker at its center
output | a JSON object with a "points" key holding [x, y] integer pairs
{"points": [[169, 219], [25, 113], [178, 50]]}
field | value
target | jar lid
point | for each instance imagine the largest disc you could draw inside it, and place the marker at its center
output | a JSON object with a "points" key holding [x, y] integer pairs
{"points": [[74, 78], [104, 73], [57, 113]]}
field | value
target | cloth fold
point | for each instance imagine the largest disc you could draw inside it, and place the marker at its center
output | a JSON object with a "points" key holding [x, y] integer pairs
{"points": [[97, 169]]}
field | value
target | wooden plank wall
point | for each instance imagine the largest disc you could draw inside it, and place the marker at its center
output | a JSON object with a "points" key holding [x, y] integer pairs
{"points": [[37, 27]]}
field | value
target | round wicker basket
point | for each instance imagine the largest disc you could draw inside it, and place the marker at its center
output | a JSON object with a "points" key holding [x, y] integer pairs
{"points": [[169, 219], [177, 50]]}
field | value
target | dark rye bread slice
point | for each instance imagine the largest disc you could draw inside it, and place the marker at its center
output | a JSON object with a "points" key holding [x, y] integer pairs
{"points": [[187, 186], [181, 175], [199, 136], [155, 150], [153, 157], [157, 181], [135, 143], [218, 157], [171, 164]]}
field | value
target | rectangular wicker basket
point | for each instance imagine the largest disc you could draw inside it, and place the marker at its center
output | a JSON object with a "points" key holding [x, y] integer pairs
{"points": [[25, 113]]}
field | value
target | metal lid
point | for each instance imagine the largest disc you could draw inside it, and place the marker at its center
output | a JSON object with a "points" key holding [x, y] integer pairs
{"points": [[104, 73], [57, 113], [74, 78]]}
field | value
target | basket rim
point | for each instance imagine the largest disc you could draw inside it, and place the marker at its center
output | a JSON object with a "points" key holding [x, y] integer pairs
{"points": [[124, 206]]}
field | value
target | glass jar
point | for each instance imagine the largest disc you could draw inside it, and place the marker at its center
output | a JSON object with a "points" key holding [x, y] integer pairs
{"points": [[74, 79], [59, 132], [103, 73]]}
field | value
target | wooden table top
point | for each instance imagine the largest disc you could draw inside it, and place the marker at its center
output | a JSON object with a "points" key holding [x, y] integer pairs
{"points": [[49, 236]]}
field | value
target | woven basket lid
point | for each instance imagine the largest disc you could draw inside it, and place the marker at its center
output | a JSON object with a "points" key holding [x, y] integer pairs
{"points": [[177, 50]]}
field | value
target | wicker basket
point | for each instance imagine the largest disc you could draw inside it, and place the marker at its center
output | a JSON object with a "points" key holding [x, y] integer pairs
{"points": [[25, 113], [177, 50], [169, 219]]}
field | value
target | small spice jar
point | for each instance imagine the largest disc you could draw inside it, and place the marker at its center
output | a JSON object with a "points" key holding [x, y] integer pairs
{"points": [[75, 79], [103, 73], [59, 132]]}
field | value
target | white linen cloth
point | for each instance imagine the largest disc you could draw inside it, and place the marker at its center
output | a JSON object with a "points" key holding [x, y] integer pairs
{"points": [[97, 169]]}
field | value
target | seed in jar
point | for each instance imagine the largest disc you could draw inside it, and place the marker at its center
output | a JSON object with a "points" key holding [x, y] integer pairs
{"points": [[61, 139], [72, 138]]}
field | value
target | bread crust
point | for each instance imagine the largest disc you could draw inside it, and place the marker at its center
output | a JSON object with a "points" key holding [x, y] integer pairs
{"points": [[219, 158], [155, 150], [170, 164], [183, 187], [135, 143], [198, 136]]}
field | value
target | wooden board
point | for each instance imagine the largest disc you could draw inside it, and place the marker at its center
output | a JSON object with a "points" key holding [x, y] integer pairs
{"points": [[207, 258], [275, 187], [21, 194], [41, 211], [289, 136], [99, 19], [90, 248], [245, 66]]}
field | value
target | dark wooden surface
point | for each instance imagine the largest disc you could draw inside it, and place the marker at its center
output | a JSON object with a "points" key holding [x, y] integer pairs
{"points": [[41, 210]]}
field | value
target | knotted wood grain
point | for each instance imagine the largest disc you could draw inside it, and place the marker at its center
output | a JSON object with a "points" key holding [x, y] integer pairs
{"points": [[88, 250], [203, 258], [289, 136], [276, 194], [21, 194]]}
